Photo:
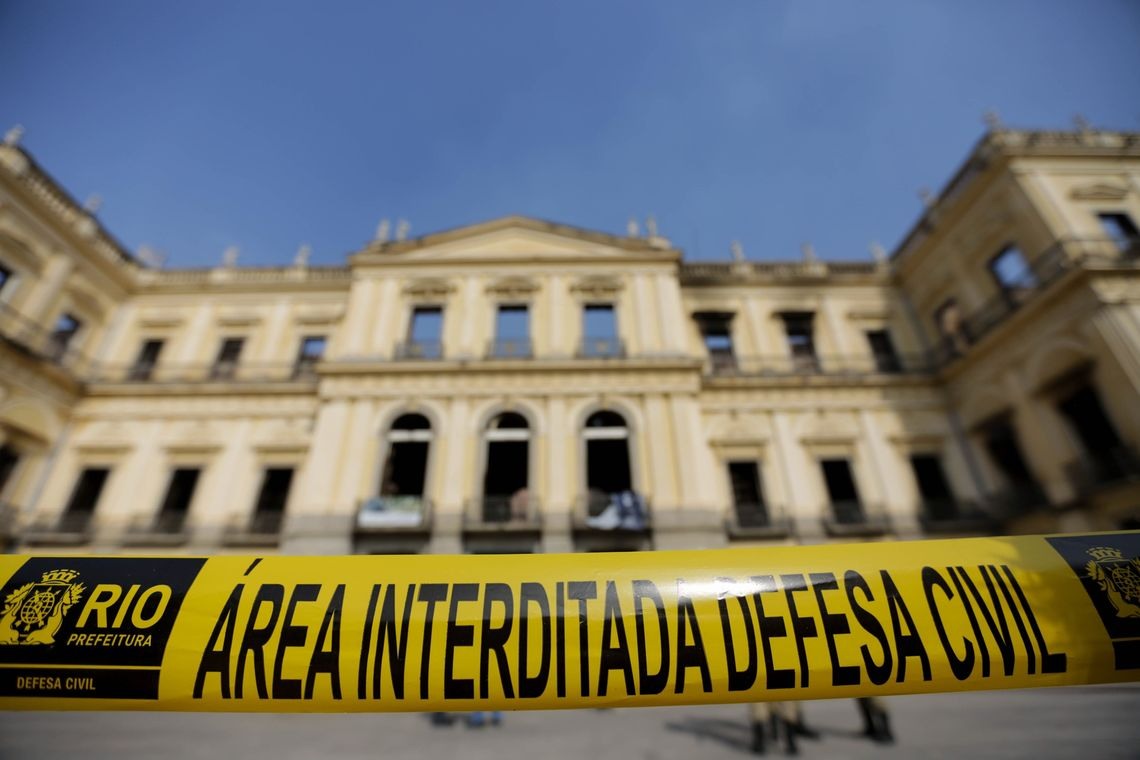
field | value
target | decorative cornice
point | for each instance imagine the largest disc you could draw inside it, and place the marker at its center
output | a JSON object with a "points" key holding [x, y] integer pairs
{"points": [[429, 287], [597, 286]]}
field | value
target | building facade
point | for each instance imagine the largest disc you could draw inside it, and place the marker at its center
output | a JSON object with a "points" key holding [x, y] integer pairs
{"points": [[519, 386]]}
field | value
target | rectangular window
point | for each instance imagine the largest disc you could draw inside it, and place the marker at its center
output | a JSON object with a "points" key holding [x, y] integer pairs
{"points": [[225, 365], [84, 499], [841, 491], [512, 331], [179, 493], [599, 331], [1012, 271], [271, 500], [146, 360], [9, 458], [937, 499], [310, 352], [747, 496], [425, 333], [883, 350], [1087, 416], [5, 276], [716, 332], [799, 328], [1003, 447], [1121, 229], [66, 327]]}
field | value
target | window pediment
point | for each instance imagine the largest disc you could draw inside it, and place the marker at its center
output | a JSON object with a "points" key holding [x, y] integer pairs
{"points": [[520, 288], [1100, 191], [597, 287], [428, 288]]}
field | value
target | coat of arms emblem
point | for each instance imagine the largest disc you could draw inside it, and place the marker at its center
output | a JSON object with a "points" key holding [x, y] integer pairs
{"points": [[33, 613], [1118, 578]]}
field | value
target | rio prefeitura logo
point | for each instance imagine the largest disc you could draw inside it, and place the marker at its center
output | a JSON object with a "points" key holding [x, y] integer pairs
{"points": [[33, 613], [1118, 577]]}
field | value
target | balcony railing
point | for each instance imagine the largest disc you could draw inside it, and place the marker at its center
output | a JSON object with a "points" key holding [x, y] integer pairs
{"points": [[66, 528], [620, 511], [601, 347], [418, 350], [1016, 500], [40, 341], [850, 366], [170, 374], [164, 528], [502, 513], [1105, 468], [1063, 256], [258, 529], [510, 348], [393, 513], [853, 518], [758, 521], [949, 515]]}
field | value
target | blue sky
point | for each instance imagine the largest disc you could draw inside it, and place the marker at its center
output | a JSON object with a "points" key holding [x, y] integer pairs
{"points": [[268, 124]]}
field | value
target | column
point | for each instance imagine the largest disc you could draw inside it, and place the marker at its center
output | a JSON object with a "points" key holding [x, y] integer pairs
{"points": [[38, 304], [314, 525], [558, 497], [450, 478]]}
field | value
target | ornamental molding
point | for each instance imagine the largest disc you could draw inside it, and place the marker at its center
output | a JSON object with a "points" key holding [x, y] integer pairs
{"points": [[597, 287], [429, 288], [520, 288], [1100, 191]]}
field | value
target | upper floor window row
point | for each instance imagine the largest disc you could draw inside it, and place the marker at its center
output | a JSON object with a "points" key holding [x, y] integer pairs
{"points": [[227, 364]]}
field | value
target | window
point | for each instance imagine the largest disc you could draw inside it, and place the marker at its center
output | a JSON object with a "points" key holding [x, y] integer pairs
{"points": [[311, 350], [171, 516], [1012, 271], [599, 331], [1121, 229], [225, 365], [747, 497], [937, 499], [84, 499], [716, 332], [146, 360], [1001, 442], [798, 326], [512, 332], [425, 333], [64, 332], [841, 491], [271, 500], [883, 351], [401, 502], [5, 276], [506, 477], [9, 458], [1085, 413], [610, 500]]}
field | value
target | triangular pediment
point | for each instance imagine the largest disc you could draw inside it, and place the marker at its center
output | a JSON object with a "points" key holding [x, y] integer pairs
{"points": [[1101, 191], [517, 239]]}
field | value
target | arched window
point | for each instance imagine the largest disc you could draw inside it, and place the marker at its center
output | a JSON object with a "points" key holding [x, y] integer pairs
{"points": [[401, 499], [506, 478], [607, 456]]}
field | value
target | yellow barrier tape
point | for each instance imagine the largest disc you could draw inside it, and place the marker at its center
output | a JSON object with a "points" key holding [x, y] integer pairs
{"points": [[338, 634]]}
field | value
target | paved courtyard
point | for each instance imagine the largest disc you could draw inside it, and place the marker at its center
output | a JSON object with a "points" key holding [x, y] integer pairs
{"points": [[1099, 722]]}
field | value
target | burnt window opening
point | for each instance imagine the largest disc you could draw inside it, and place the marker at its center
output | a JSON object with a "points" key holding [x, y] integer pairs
{"points": [[607, 459], [5, 276], [311, 351], [1012, 272], [883, 351], [512, 331], [1001, 443], [67, 326], [799, 330], [599, 331], [146, 360], [747, 494], [425, 333], [507, 473], [841, 491], [171, 517], [933, 488], [84, 499], [716, 334], [9, 458], [1121, 230], [226, 362], [271, 500], [1085, 413], [405, 471]]}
